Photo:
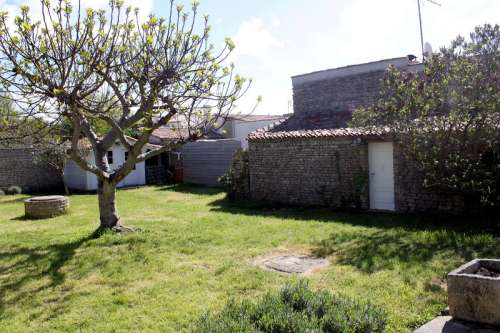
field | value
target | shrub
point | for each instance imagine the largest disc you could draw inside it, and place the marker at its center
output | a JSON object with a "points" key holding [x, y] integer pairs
{"points": [[2, 193], [236, 181], [14, 190], [295, 308]]}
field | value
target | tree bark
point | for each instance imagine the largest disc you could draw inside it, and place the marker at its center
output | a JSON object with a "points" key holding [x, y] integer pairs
{"points": [[108, 214]]}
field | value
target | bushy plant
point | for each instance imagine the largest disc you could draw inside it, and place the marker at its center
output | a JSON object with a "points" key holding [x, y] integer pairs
{"points": [[14, 190], [296, 308], [446, 118], [2, 193], [236, 181]]}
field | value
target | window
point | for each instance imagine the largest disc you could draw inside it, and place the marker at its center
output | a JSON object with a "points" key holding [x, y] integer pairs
{"points": [[126, 158], [110, 157]]}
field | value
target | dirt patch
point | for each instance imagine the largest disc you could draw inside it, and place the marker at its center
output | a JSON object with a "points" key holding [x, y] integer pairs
{"points": [[292, 263]]}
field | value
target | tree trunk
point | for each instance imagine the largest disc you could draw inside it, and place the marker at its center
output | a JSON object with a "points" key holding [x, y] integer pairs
{"points": [[108, 214], [66, 188]]}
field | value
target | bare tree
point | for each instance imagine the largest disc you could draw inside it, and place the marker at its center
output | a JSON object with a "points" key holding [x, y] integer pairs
{"points": [[79, 65]]}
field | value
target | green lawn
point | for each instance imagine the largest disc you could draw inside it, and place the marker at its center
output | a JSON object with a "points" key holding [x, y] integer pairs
{"points": [[195, 251]]}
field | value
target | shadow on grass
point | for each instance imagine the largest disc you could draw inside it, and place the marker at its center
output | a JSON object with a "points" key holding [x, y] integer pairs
{"points": [[191, 189], [384, 241], [371, 251], [409, 222], [36, 264]]}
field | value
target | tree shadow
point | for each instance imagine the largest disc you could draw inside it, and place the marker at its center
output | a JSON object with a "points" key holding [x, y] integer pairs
{"points": [[385, 249], [191, 189], [385, 241], [409, 222], [36, 264]]}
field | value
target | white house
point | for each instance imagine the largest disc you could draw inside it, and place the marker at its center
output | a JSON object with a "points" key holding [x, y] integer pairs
{"points": [[78, 179]]}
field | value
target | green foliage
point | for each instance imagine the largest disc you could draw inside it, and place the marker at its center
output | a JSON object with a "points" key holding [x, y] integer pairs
{"points": [[105, 75], [296, 308], [447, 118], [14, 189], [2, 193], [236, 181], [6, 113]]}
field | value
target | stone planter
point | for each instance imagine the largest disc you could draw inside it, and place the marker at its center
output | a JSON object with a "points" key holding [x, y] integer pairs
{"points": [[474, 292], [45, 207]]}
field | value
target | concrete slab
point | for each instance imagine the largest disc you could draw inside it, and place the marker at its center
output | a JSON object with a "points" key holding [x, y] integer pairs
{"points": [[446, 324], [293, 263]]}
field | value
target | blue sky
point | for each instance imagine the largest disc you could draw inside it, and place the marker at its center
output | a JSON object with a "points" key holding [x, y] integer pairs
{"points": [[276, 39]]}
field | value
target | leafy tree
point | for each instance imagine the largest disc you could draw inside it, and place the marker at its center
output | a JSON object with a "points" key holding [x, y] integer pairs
{"points": [[55, 156], [447, 118], [81, 65]]}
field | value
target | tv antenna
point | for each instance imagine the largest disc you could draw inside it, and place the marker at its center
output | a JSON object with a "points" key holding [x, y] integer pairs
{"points": [[421, 28]]}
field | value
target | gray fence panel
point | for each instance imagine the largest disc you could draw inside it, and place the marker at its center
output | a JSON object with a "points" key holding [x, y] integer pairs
{"points": [[205, 161]]}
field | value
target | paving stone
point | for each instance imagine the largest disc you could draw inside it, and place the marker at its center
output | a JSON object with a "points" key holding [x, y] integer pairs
{"points": [[446, 324], [294, 264]]}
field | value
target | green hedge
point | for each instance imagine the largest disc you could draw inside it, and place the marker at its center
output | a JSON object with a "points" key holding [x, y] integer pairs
{"points": [[295, 308]]}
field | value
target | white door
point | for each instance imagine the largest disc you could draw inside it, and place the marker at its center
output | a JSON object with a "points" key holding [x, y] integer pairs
{"points": [[381, 163]]}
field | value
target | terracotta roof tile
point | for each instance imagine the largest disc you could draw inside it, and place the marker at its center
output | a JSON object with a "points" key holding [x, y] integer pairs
{"points": [[255, 117], [319, 133]]}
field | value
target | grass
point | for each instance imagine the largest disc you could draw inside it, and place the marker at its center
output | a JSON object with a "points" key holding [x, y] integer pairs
{"points": [[196, 251]]}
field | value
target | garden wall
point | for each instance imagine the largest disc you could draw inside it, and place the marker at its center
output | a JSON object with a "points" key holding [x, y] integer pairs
{"points": [[410, 196], [309, 172], [333, 172], [17, 168]]}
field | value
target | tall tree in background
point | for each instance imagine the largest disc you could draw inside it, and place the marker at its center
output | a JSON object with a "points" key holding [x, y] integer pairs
{"points": [[447, 118], [81, 65]]}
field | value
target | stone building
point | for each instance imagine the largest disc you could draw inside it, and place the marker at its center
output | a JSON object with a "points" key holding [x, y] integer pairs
{"points": [[18, 168], [313, 159]]}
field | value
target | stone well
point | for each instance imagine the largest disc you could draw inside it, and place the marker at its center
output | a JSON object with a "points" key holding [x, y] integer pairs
{"points": [[474, 292], [45, 207]]}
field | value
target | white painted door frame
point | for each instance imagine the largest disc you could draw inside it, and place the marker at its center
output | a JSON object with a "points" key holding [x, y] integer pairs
{"points": [[381, 166]]}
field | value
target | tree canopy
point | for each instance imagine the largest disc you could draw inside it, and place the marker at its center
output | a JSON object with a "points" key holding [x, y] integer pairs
{"points": [[86, 67]]}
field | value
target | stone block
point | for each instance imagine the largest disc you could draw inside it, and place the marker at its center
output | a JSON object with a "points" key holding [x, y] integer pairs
{"points": [[474, 292]]}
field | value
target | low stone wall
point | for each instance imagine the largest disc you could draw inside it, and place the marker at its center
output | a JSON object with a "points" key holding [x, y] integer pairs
{"points": [[17, 168], [334, 173], [309, 172], [45, 207]]}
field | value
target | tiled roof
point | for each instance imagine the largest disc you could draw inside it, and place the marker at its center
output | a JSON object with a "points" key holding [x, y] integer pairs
{"points": [[169, 133], [166, 133], [255, 117], [319, 133]]}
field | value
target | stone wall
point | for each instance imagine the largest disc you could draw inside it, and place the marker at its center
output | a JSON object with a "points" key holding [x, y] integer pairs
{"points": [[337, 95], [334, 173], [410, 196], [17, 168], [309, 172]]}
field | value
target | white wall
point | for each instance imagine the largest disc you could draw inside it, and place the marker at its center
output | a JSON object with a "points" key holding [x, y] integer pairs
{"points": [[241, 129], [76, 178]]}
